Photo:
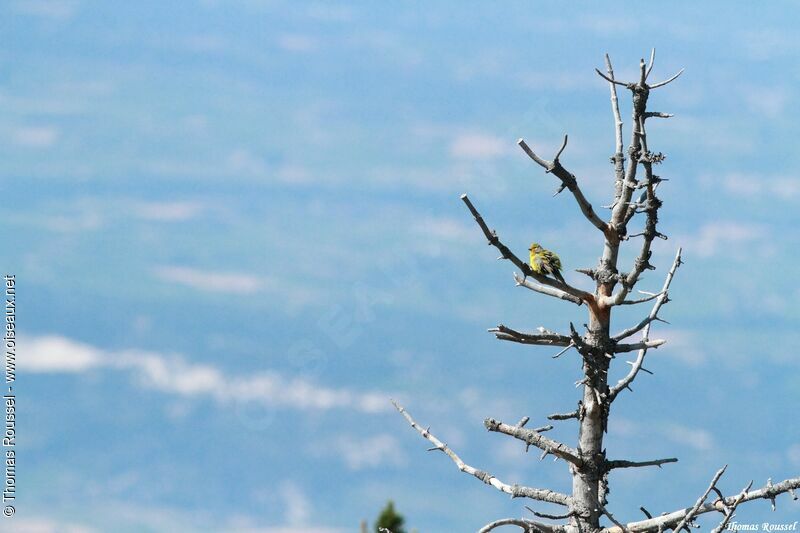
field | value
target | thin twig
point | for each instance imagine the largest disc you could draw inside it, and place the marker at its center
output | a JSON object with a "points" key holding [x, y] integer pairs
{"points": [[644, 345], [564, 416], [673, 78], [611, 80], [621, 463], [611, 517], [529, 526], [641, 300], [657, 114], [562, 352], [561, 150], [551, 516], [651, 63]]}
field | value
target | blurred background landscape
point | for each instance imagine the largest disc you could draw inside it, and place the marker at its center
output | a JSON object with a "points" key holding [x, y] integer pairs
{"points": [[236, 231]]}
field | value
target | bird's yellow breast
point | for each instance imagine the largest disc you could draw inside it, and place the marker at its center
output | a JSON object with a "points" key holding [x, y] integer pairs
{"points": [[535, 262]]}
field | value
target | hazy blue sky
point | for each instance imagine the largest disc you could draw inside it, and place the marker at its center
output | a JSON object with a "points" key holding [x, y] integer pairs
{"points": [[236, 231]]}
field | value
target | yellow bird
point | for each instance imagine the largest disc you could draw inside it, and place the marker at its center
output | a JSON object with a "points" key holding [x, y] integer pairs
{"points": [[545, 262]]}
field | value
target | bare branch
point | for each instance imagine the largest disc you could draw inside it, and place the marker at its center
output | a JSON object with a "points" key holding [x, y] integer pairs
{"points": [[516, 491], [564, 416], [561, 150], [621, 463], [611, 80], [628, 379], [544, 163], [531, 437], [673, 78], [611, 517], [568, 181], [546, 338], [619, 156], [549, 291], [633, 329], [562, 352], [637, 206], [551, 516], [657, 114], [643, 71], [647, 298], [525, 419], [622, 348], [651, 63], [529, 526]]}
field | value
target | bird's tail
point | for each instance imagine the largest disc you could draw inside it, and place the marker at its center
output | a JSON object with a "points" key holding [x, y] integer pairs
{"points": [[558, 276]]}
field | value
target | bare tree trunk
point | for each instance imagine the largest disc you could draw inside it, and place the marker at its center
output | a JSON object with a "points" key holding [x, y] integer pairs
{"points": [[593, 416]]}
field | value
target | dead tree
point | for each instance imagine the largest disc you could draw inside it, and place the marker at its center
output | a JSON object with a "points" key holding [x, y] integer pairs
{"points": [[635, 187]]}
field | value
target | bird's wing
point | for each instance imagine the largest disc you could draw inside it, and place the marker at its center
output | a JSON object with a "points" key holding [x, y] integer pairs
{"points": [[546, 259], [556, 262]]}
